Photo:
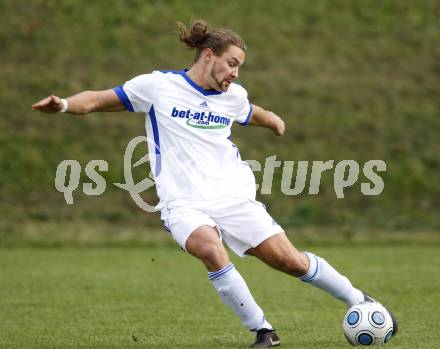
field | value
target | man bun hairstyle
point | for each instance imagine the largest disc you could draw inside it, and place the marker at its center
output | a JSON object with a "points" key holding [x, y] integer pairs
{"points": [[199, 38]]}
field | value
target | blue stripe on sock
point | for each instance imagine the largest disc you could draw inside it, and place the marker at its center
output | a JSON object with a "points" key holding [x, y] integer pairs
{"points": [[220, 272], [309, 279], [215, 275]]}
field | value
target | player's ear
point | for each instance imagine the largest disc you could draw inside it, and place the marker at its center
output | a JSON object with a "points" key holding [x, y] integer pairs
{"points": [[208, 54]]}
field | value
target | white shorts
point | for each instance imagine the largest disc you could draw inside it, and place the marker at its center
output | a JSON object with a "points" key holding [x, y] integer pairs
{"points": [[242, 223]]}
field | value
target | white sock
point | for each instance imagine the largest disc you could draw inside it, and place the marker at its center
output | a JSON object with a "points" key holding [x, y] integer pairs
{"points": [[234, 292], [324, 276]]}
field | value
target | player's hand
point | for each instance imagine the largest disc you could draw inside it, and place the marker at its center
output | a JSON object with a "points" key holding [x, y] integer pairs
{"points": [[278, 124], [51, 104]]}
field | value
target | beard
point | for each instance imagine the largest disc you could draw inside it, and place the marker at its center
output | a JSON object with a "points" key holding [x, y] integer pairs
{"points": [[220, 84]]}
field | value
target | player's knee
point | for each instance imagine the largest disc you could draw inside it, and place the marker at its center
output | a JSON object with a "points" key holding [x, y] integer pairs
{"points": [[213, 255], [295, 264]]}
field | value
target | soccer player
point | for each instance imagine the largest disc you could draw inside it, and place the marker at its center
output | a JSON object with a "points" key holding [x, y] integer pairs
{"points": [[206, 192]]}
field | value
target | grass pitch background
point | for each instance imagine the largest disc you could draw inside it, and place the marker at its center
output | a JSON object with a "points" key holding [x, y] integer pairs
{"points": [[352, 79], [159, 297]]}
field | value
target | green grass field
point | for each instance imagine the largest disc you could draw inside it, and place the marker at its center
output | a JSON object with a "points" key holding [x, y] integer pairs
{"points": [[159, 297]]}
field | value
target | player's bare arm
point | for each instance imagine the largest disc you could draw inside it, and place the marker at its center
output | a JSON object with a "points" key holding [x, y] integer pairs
{"points": [[82, 103], [264, 118]]}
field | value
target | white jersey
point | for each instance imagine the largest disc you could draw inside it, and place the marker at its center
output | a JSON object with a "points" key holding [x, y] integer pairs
{"points": [[188, 132]]}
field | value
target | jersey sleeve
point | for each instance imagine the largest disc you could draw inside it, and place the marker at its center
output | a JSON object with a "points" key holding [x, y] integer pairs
{"points": [[244, 107], [137, 94]]}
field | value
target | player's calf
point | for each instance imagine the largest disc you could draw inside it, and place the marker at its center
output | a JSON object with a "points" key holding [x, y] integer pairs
{"points": [[279, 253]]}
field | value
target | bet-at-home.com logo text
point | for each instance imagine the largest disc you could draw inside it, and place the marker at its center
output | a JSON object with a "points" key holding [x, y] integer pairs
{"points": [[201, 119]]}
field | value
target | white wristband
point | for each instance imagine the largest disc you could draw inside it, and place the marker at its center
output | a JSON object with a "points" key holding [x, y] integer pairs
{"points": [[65, 105]]}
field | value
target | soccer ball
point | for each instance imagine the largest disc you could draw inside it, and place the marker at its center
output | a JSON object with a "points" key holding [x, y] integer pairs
{"points": [[368, 323]]}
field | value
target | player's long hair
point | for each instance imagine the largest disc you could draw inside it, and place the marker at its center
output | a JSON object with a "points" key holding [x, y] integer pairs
{"points": [[199, 38]]}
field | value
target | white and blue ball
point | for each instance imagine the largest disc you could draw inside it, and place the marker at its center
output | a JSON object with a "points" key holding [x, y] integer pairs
{"points": [[368, 323]]}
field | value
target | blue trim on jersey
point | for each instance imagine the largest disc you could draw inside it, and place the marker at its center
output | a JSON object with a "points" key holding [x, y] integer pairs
{"points": [[123, 97], [156, 141], [234, 146], [237, 151], [248, 118], [192, 83], [197, 87]]}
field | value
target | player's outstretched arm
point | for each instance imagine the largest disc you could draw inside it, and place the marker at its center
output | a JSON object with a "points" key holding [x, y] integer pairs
{"points": [[81, 103], [264, 118]]}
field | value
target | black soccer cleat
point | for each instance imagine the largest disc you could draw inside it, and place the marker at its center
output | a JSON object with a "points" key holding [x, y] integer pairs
{"points": [[266, 338], [367, 298]]}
